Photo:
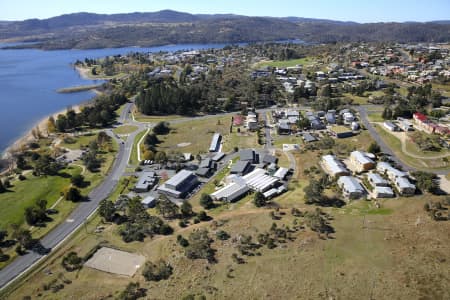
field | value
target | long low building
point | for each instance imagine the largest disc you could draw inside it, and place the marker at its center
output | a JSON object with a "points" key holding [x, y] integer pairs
{"points": [[350, 187], [230, 192], [333, 167], [215, 142], [361, 162], [179, 185], [259, 181]]}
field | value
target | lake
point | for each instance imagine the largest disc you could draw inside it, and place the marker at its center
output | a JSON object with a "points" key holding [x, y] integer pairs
{"points": [[29, 80]]}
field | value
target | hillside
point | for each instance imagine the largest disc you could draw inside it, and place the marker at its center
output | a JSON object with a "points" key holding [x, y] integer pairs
{"points": [[87, 30]]}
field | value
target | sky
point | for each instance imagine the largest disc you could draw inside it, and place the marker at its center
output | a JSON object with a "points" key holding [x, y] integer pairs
{"points": [[363, 11]]}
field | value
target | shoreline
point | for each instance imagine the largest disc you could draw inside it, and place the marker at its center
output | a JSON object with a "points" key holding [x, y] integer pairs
{"points": [[42, 125]]}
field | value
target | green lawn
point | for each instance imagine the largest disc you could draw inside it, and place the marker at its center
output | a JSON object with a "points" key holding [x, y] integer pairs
{"points": [[125, 129], [25, 193], [134, 156], [375, 117], [194, 136], [155, 119], [79, 142]]}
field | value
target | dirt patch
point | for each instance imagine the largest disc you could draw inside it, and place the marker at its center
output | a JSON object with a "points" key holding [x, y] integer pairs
{"points": [[181, 145], [115, 261]]}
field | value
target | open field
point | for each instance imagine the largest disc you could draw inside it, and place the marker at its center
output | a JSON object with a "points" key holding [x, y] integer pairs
{"points": [[286, 63], [154, 119], [193, 136], [241, 140], [371, 254], [375, 117], [25, 193], [125, 129]]}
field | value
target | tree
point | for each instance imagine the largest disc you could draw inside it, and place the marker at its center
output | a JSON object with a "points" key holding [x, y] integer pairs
{"points": [[186, 209], [149, 155], [303, 123], [36, 214], [426, 181], [222, 235], [161, 157], [72, 262], [374, 148], [161, 128], [73, 194], [151, 139], [313, 192], [51, 125], [387, 113], [200, 246], [106, 210], [2, 187], [206, 201], [157, 271], [77, 180], [167, 208], [132, 292], [259, 199], [24, 238]]}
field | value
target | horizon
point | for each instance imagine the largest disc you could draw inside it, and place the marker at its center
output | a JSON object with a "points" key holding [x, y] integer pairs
{"points": [[374, 12]]}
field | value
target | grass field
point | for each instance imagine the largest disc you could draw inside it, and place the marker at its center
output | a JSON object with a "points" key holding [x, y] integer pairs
{"points": [[375, 117], [286, 63], [421, 164], [154, 119], [80, 142], [125, 129], [25, 193], [369, 254], [134, 156], [196, 134]]}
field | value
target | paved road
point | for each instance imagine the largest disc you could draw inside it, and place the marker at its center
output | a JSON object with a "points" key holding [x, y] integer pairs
{"points": [[80, 214], [384, 147], [85, 209]]}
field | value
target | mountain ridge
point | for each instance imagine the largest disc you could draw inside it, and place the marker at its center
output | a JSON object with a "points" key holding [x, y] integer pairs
{"points": [[91, 30]]}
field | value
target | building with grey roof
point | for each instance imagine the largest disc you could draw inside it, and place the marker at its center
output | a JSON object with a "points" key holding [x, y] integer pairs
{"points": [[240, 167], [259, 181], [390, 171], [308, 137], [230, 192], [361, 162], [270, 159], [218, 156], [281, 173], [215, 142], [248, 155], [149, 202], [383, 192], [333, 167], [350, 186], [404, 187], [145, 182], [376, 180], [180, 184]]}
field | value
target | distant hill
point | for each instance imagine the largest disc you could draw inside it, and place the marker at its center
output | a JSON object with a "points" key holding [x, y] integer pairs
{"points": [[88, 30]]}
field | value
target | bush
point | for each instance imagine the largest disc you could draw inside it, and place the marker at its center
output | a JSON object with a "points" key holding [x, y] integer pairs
{"points": [[72, 262], [182, 241], [222, 235], [157, 271], [206, 201]]}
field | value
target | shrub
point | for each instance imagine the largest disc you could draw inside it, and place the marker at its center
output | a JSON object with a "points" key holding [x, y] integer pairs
{"points": [[157, 271]]}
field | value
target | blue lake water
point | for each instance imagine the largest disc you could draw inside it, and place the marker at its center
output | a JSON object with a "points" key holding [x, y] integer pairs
{"points": [[29, 80]]}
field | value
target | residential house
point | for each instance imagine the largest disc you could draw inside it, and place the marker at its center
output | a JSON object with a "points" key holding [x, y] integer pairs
{"points": [[350, 186], [361, 162], [333, 167]]}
